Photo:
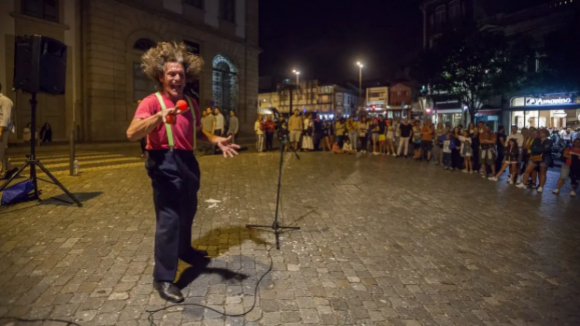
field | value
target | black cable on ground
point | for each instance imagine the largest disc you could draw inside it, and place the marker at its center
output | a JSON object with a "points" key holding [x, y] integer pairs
{"points": [[256, 288], [25, 320]]}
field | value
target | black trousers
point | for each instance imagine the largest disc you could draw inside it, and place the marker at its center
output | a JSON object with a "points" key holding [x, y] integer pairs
{"points": [[456, 159], [175, 179], [317, 138], [269, 141], [499, 160], [363, 143], [475, 158], [143, 143]]}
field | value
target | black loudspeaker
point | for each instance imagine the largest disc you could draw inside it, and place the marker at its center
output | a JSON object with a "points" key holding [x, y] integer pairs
{"points": [[39, 64]]}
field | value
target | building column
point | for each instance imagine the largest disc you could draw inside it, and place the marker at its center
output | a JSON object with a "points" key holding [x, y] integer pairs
{"points": [[7, 32], [70, 37]]}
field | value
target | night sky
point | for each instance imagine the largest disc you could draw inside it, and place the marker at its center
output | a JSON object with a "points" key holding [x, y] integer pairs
{"points": [[324, 38]]}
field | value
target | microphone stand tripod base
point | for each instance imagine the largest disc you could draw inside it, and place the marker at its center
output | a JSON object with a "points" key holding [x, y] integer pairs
{"points": [[276, 227]]}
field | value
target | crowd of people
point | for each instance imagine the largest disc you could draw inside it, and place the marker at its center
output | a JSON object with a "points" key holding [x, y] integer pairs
{"points": [[526, 154]]}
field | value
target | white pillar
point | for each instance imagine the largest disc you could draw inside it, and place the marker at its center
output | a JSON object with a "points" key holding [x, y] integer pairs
{"points": [[7, 31]]}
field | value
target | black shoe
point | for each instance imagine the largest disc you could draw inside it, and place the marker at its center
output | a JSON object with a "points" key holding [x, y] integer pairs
{"points": [[168, 291], [196, 258], [202, 253]]}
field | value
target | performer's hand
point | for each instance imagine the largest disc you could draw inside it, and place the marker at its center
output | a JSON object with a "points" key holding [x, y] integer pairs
{"points": [[170, 115], [226, 147]]}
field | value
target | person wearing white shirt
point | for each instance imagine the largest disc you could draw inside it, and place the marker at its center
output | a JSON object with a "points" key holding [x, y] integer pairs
{"points": [[519, 138], [219, 122], [6, 127], [347, 147]]}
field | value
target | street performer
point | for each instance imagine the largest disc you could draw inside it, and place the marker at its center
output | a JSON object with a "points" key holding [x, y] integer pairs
{"points": [[175, 177]]}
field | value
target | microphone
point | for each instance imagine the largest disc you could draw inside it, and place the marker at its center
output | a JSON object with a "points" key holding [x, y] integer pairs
{"points": [[182, 105]]}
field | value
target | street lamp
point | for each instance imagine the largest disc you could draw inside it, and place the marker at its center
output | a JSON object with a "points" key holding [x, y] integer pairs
{"points": [[360, 67], [297, 76]]}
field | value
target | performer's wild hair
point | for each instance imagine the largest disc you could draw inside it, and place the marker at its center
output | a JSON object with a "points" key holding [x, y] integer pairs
{"points": [[154, 60]]}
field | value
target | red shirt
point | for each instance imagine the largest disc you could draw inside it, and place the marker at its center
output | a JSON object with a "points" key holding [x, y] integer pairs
{"points": [[571, 150], [182, 129], [270, 126]]}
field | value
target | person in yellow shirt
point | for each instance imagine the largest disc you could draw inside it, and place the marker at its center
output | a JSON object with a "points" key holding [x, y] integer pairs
{"points": [[339, 130], [352, 128]]}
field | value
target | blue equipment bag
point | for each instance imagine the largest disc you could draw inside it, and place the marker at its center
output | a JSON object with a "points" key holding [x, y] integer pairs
{"points": [[17, 192]]}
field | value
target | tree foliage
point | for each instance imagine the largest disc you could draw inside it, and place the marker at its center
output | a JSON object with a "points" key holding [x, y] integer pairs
{"points": [[558, 63], [474, 69]]}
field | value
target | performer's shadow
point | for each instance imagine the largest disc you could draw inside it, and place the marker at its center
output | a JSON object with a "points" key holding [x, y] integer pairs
{"points": [[235, 235], [191, 273], [210, 241]]}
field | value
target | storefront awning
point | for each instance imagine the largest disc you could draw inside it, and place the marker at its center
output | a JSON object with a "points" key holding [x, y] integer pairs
{"points": [[489, 112]]}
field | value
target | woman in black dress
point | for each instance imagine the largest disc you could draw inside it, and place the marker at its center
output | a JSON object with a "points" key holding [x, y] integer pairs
{"points": [[46, 133]]}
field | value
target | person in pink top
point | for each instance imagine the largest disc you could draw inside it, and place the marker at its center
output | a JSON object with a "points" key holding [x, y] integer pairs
{"points": [[175, 177]]}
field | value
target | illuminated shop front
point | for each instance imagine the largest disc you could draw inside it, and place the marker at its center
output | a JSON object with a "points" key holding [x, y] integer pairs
{"points": [[550, 111], [453, 117], [389, 112], [446, 109]]}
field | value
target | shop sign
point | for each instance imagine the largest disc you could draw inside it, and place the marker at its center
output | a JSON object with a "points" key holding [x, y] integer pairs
{"points": [[531, 101]]}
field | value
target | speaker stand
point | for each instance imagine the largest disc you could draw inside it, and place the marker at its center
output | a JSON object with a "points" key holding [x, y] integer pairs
{"points": [[32, 162]]}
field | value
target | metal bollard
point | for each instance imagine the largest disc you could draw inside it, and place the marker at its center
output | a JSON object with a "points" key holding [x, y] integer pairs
{"points": [[72, 152], [76, 167]]}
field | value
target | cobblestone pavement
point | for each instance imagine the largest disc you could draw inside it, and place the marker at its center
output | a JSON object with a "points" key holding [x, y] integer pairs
{"points": [[58, 162], [384, 241]]}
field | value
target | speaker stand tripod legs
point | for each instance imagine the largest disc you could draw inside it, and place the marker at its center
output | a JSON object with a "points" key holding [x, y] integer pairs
{"points": [[7, 182], [56, 182], [32, 162]]}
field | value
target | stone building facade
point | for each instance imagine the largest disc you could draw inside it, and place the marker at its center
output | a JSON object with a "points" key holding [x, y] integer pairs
{"points": [[328, 99], [105, 40]]}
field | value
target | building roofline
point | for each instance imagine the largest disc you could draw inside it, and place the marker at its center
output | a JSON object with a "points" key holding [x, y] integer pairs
{"points": [[426, 2]]}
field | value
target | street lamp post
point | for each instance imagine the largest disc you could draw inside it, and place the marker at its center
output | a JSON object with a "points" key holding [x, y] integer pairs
{"points": [[360, 67], [297, 76]]}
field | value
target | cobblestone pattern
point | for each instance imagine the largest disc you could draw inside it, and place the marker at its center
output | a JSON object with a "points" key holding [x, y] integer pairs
{"points": [[384, 241]]}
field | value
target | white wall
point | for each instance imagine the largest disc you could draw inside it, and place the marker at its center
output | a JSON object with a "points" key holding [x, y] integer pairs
{"points": [[241, 18], [7, 27], [212, 11]]}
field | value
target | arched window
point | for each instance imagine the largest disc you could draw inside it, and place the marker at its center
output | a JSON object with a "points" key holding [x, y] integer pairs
{"points": [[225, 84], [142, 85], [143, 44]]}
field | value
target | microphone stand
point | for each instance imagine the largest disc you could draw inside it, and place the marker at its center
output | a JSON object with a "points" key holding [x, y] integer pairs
{"points": [[276, 227]]}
